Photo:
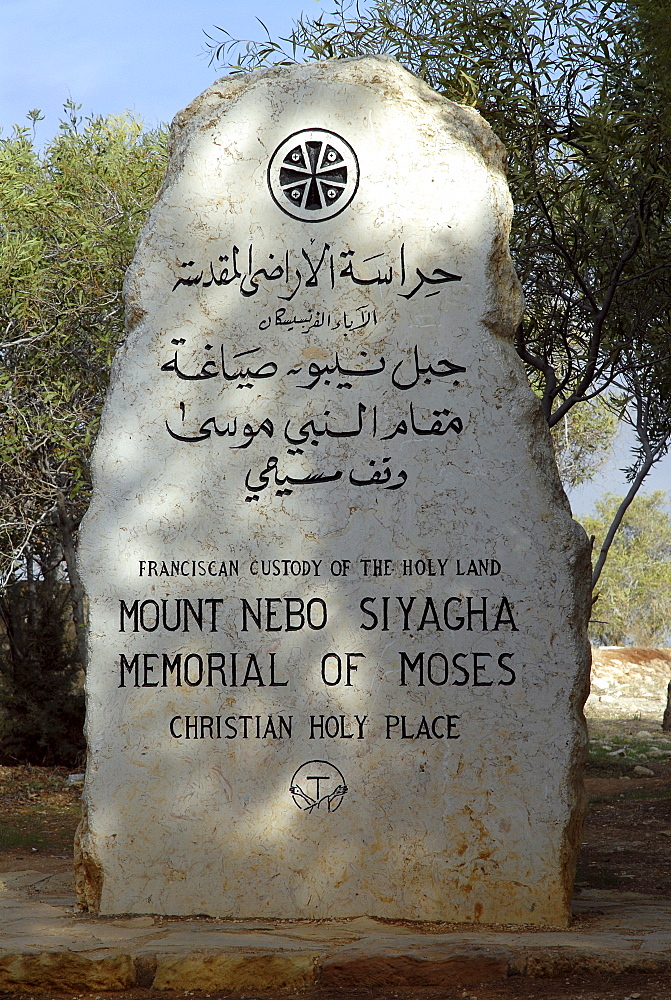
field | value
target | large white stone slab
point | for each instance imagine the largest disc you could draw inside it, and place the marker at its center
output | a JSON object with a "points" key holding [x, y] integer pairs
{"points": [[337, 600]]}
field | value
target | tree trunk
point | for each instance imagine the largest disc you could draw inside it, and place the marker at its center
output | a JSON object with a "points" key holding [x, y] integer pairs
{"points": [[666, 721], [66, 528]]}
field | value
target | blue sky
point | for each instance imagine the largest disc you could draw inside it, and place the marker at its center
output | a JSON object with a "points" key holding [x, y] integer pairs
{"points": [[148, 56], [143, 55]]}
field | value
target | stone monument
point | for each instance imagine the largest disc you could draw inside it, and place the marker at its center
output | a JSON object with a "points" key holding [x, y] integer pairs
{"points": [[337, 600]]}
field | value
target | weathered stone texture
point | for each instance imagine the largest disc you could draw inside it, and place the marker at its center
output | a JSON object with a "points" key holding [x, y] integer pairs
{"points": [[234, 972], [329, 377], [66, 971], [446, 967]]}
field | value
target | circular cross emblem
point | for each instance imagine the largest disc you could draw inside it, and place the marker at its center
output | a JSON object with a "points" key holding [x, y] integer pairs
{"points": [[313, 175], [318, 785]]}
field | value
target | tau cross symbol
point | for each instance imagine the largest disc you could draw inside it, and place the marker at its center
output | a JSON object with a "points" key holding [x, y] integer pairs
{"points": [[318, 785]]}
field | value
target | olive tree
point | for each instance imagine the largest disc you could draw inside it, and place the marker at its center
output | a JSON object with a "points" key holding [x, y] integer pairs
{"points": [[634, 599], [69, 217]]}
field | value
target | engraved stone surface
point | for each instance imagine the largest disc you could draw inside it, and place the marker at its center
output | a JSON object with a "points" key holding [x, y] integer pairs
{"points": [[337, 600]]}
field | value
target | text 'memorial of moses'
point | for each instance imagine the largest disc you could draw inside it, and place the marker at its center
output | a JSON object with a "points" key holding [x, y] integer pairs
{"points": [[338, 604]]}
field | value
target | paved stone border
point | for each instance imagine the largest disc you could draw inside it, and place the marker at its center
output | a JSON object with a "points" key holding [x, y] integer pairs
{"points": [[45, 945]]}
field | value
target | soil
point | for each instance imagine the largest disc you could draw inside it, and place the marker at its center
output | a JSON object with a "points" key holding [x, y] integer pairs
{"points": [[39, 814], [626, 847], [627, 836], [626, 987]]}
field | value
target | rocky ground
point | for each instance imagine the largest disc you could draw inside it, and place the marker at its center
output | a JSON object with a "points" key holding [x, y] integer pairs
{"points": [[628, 683]]}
